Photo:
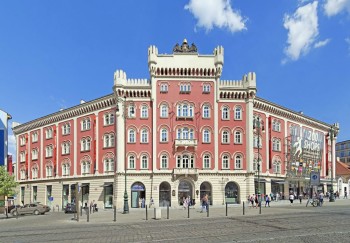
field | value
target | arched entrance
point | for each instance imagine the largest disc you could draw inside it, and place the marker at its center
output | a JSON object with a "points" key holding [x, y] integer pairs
{"points": [[164, 194], [138, 192], [232, 193], [205, 189], [185, 190]]}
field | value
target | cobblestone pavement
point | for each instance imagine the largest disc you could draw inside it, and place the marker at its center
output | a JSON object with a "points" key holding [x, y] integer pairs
{"points": [[279, 223]]}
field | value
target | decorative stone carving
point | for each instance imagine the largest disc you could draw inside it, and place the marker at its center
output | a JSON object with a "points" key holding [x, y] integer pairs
{"points": [[185, 48]]}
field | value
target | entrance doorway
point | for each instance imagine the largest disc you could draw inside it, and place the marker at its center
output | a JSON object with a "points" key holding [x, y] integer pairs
{"points": [[164, 194], [185, 190], [231, 193], [205, 189], [138, 192]]}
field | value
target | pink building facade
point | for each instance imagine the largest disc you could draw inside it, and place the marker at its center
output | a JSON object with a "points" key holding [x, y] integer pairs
{"points": [[181, 133]]}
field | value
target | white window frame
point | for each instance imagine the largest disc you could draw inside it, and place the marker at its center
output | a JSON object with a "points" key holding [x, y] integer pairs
{"points": [[276, 144], [66, 169], [185, 161], [49, 151], [85, 167], [238, 137], [206, 136], [163, 135], [163, 111], [277, 167], [108, 165], [206, 161], [108, 119], [66, 148], [131, 111], [164, 161], [238, 161], [225, 113], [86, 124], [108, 140], [238, 113], [144, 162], [185, 110], [144, 111], [35, 153], [132, 162], [48, 133], [49, 171], [35, 137], [185, 88], [22, 157], [131, 135], [164, 88], [23, 174], [185, 133], [66, 129], [35, 172], [206, 88], [225, 137], [206, 111], [225, 161], [144, 135], [85, 144]]}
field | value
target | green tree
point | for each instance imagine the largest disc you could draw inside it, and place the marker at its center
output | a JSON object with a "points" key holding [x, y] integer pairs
{"points": [[7, 184]]}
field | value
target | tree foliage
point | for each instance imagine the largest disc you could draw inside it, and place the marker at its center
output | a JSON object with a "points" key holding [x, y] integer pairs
{"points": [[7, 183]]}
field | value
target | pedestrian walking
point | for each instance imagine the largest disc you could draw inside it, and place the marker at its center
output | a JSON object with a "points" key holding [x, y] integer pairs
{"points": [[291, 198], [151, 202], [267, 201], [320, 197], [300, 197], [345, 195]]}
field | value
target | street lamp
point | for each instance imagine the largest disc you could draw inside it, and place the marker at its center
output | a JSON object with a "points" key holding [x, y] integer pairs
{"points": [[258, 125], [333, 132], [125, 116]]}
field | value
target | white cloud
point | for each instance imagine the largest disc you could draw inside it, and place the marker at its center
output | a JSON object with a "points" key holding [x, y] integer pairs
{"points": [[219, 13], [322, 43], [302, 29], [333, 7]]}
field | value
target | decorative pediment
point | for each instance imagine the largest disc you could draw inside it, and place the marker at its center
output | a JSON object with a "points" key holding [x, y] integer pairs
{"points": [[185, 48]]}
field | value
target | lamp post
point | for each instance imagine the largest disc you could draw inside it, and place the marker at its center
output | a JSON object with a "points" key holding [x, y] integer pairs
{"points": [[333, 132], [122, 100], [258, 125]]}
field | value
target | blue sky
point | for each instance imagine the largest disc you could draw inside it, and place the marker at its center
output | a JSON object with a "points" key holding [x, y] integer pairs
{"points": [[55, 53]]}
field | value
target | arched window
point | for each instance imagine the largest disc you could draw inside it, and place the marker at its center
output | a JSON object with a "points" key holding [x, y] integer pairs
{"points": [[108, 119], [85, 144], [276, 144], [225, 136], [238, 137], [85, 124], [163, 111], [144, 111], [85, 167], [184, 110], [206, 161], [185, 161], [49, 171], [164, 135], [108, 165], [206, 136], [238, 113], [144, 162], [66, 129], [65, 148], [144, 136], [35, 173], [108, 140], [238, 162], [276, 126], [66, 170], [206, 111], [185, 133], [164, 161], [276, 166], [225, 113], [225, 162], [131, 162], [131, 136]]}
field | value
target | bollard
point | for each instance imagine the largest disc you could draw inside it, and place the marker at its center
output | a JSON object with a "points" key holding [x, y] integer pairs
{"points": [[115, 213], [88, 215], [146, 212], [226, 209], [207, 209], [243, 208], [167, 211], [16, 213], [188, 211]]}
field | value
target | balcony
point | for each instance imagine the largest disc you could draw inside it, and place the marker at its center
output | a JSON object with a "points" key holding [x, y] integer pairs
{"points": [[186, 143], [186, 172]]}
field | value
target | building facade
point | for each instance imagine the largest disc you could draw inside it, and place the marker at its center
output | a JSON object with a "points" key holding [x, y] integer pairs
{"points": [[343, 151], [183, 132], [4, 117]]}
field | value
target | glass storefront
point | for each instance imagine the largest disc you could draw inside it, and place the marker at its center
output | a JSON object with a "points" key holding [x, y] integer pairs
{"points": [[231, 193], [108, 195], [48, 195], [65, 195], [185, 190], [35, 194], [138, 192]]}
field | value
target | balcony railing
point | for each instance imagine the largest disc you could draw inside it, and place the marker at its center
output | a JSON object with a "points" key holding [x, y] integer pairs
{"points": [[186, 143], [192, 172]]}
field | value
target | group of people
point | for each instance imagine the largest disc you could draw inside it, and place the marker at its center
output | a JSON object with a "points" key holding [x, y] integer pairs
{"points": [[253, 200], [142, 202], [93, 206], [186, 202]]}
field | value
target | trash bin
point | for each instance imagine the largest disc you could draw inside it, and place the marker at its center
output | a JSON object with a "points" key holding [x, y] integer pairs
{"points": [[157, 213]]}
